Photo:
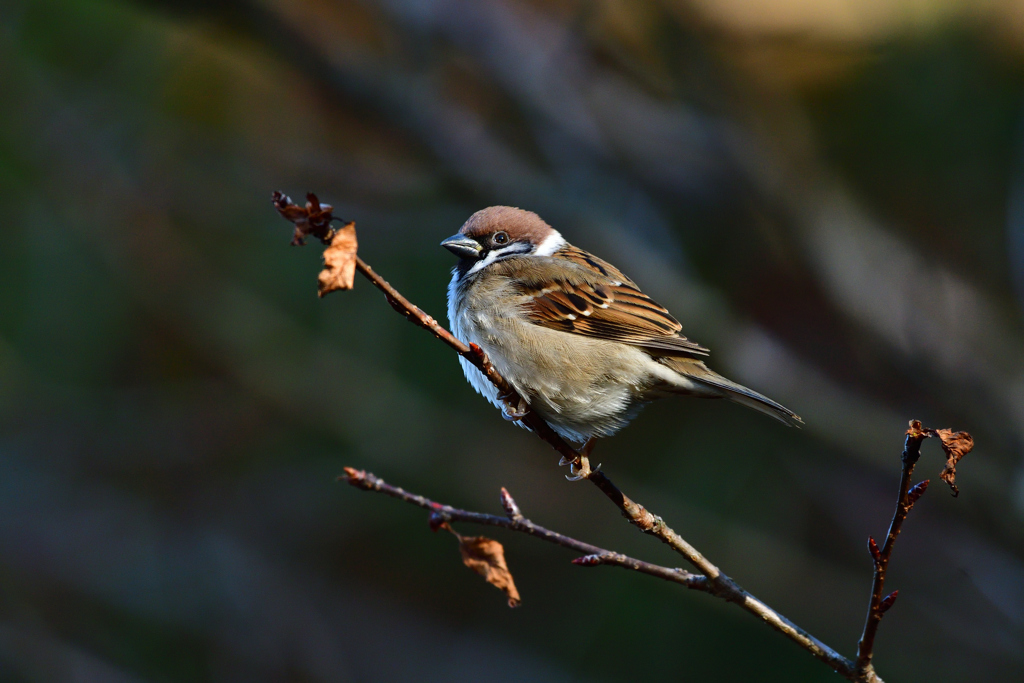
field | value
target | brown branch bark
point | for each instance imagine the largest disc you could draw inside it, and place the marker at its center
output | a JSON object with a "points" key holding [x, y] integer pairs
{"points": [[515, 521], [905, 499]]}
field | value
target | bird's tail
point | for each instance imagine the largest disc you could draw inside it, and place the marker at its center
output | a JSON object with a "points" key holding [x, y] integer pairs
{"points": [[725, 388]]}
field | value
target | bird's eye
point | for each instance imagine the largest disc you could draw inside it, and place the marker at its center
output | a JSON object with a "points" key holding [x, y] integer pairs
{"points": [[500, 238]]}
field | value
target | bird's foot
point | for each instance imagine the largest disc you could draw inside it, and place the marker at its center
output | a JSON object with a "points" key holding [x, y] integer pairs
{"points": [[513, 412], [580, 467]]}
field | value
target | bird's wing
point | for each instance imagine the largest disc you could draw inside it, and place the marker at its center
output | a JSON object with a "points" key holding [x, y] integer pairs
{"points": [[594, 299]]}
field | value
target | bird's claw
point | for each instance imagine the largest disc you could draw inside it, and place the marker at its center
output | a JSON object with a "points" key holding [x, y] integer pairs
{"points": [[581, 469], [513, 413]]}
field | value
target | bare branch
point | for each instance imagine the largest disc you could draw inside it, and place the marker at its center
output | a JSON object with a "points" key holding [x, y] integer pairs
{"points": [[955, 445], [442, 514]]}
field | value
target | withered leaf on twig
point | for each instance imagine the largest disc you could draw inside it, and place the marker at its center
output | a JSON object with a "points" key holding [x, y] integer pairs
{"points": [[956, 445], [339, 261], [486, 557], [312, 219], [315, 219]]}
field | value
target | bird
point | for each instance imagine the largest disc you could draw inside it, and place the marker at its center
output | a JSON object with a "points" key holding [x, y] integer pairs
{"points": [[579, 341]]}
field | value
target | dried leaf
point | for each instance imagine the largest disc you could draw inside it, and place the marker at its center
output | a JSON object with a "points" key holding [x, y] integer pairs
{"points": [[339, 261], [956, 445], [313, 219], [486, 557]]}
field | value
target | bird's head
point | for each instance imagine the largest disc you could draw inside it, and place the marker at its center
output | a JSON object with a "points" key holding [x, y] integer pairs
{"points": [[500, 232]]}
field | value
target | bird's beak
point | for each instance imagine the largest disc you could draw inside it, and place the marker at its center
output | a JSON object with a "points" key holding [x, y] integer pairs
{"points": [[463, 247]]}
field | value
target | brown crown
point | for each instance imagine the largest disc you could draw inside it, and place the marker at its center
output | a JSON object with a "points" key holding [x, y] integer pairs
{"points": [[520, 225]]}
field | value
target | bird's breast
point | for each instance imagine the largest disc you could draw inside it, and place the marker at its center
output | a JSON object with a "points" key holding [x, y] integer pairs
{"points": [[581, 385]]}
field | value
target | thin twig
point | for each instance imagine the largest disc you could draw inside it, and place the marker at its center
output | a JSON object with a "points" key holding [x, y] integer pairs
{"points": [[878, 605], [595, 556], [515, 521]]}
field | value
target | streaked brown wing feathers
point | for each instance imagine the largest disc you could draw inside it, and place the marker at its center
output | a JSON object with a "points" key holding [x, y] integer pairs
{"points": [[607, 305]]}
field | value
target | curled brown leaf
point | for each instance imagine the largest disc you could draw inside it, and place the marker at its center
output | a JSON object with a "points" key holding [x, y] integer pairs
{"points": [[955, 445], [312, 219], [486, 557], [315, 219], [339, 261]]}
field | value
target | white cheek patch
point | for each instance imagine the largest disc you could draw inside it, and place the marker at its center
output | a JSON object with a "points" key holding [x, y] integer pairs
{"points": [[550, 245], [491, 257], [512, 249]]}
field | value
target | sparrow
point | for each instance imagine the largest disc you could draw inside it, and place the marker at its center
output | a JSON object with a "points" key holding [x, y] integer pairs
{"points": [[579, 341]]}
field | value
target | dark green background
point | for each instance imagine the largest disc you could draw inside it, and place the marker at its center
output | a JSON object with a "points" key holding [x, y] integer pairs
{"points": [[837, 213]]}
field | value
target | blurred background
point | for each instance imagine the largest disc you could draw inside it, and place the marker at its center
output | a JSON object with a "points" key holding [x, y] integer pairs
{"points": [[829, 194]]}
